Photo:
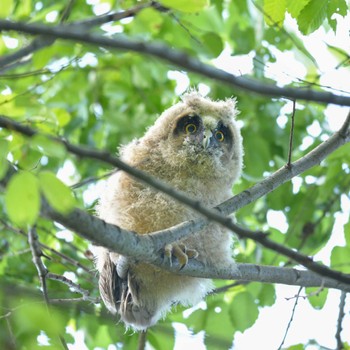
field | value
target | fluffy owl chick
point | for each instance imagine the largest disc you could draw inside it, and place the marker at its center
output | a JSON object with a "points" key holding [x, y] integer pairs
{"points": [[196, 147]]}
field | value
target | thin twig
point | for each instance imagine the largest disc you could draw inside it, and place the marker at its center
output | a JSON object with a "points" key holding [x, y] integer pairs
{"points": [[37, 254], [74, 300], [291, 136], [44, 246], [12, 336], [74, 286], [91, 179], [340, 321], [291, 318]]}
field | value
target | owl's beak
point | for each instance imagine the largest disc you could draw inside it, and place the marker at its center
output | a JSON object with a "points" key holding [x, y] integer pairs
{"points": [[207, 135]]}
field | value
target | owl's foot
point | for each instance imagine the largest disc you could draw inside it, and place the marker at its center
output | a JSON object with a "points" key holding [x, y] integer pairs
{"points": [[179, 251]]}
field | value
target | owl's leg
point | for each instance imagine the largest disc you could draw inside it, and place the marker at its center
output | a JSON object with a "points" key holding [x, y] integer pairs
{"points": [[179, 251]]}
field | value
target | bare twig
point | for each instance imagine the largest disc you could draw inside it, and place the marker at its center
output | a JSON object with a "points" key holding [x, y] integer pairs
{"points": [[291, 318], [44, 273], [291, 136], [340, 321], [91, 179], [11, 343], [74, 286], [74, 300], [37, 254], [180, 59]]}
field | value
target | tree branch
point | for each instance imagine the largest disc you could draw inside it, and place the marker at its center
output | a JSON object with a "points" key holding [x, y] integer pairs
{"points": [[43, 40], [340, 321], [129, 243], [74, 32]]}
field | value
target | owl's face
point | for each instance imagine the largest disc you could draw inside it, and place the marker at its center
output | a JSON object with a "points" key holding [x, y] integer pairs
{"points": [[196, 137], [203, 140]]}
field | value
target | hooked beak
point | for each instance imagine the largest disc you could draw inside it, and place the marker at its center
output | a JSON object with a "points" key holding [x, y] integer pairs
{"points": [[207, 138]]}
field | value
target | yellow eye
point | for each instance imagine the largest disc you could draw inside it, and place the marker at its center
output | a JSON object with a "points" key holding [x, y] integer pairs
{"points": [[219, 135], [190, 128]]}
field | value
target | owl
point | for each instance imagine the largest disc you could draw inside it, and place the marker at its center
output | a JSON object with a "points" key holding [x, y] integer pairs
{"points": [[195, 146]]}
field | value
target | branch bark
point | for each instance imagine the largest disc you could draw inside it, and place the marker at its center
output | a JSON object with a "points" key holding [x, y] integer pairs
{"points": [[147, 247], [78, 33], [43, 41], [160, 239]]}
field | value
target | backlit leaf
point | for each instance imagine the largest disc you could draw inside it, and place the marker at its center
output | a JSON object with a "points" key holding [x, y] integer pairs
{"points": [[274, 11], [340, 259], [312, 16], [22, 199], [294, 7], [56, 192]]}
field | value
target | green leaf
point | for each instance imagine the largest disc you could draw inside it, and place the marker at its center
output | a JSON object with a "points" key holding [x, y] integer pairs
{"points": [[219, 325], [274, 11], [255, 162], [56, 192], [340, 259], [48, 146], [62, 116], [317, 297], [24, 8], [297, 347], [267, 295], [347, 233], [294, 7], [102, 336], [22, 199], [336, 7], [186, 5], [161, 340], [312, 16], [243, 311], [6, 8], [32, 318], [213, 44]]}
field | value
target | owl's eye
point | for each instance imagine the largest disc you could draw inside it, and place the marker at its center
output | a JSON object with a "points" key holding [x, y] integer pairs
{"points": [[219, 135], [190, 128]]}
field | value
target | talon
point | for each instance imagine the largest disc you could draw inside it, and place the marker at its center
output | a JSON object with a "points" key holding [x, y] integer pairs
{"points": [[191, 253], [180, 251]]}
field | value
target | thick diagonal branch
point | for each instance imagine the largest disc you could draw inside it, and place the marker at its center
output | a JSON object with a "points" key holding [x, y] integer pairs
{"points": [[132, 244]]}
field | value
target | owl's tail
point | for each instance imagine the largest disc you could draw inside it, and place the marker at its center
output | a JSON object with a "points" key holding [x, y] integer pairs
{"points": [[120, 292]]}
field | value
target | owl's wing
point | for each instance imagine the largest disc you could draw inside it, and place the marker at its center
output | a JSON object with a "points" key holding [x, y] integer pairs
{"points": [[120, 293], [110, 285]]}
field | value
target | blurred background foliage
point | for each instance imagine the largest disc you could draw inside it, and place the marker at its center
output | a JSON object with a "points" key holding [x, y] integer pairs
{"points": [[103, 98]]}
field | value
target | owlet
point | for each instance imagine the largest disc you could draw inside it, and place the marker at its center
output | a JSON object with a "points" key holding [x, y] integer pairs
{"points": [[195, 146]]}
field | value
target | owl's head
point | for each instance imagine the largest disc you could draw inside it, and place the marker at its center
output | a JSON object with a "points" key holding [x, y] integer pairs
{"points": [[199, 135]]}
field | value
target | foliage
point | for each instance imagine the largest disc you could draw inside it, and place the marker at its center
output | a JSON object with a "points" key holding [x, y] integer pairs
{"points": [[102, 98]]}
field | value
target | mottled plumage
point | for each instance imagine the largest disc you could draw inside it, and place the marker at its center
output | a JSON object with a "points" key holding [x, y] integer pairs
{"points": [[196, 147]]}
